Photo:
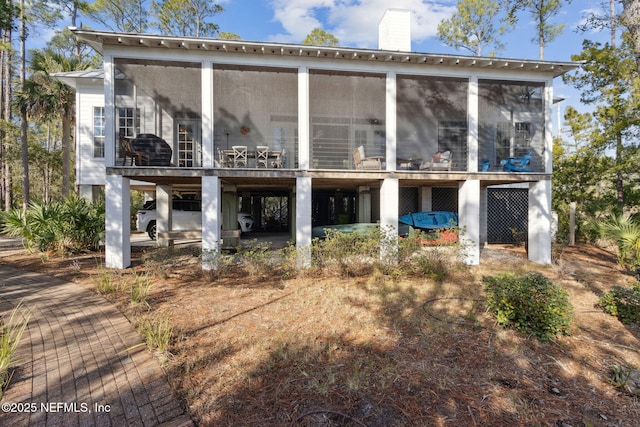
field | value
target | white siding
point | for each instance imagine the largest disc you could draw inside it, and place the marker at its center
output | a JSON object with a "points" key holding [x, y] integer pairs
{"points": [[89, 170]]}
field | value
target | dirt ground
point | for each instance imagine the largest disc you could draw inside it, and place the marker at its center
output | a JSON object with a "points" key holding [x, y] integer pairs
{"points": [[265, 349]]}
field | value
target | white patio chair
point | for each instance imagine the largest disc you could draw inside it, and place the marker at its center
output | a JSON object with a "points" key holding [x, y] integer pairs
{"points": [[239, 156], [223, 158], [262, 156], [363, 162], [279, 159]]}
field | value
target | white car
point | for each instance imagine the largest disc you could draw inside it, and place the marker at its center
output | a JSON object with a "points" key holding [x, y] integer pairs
{"points": [[186, 215]]}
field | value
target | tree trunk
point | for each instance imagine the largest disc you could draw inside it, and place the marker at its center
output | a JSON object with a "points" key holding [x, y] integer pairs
{"points": [[6, 115], [66, 153], [23, 114], [619, 174], [630, 18]]}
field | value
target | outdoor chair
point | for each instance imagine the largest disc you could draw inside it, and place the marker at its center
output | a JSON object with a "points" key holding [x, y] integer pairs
{"points": [[138, 158], [279, 159], [262, 156], [440, 161], [239, 156], [363, 162], [517, 164], [223, 158]]}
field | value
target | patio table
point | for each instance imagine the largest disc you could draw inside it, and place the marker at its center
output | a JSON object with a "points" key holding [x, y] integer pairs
{"points": [[273, 156]]}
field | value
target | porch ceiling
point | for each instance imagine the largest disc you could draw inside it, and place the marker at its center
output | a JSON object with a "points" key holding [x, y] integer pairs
{"points": [[99, 39]]}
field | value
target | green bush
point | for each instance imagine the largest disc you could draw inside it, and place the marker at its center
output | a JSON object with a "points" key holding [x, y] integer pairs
{"points": [[531, 304], [68, 226], [623, 303], [349, 254]]}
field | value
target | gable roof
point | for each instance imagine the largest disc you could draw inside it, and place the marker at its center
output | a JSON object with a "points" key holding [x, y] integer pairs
{"points": [[99, 39]]}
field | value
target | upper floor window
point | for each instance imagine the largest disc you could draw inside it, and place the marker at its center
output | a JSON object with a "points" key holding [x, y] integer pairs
{"points": [[128, 121], [98, 132]]}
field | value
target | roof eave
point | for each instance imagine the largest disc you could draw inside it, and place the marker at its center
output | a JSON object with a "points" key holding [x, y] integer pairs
{"points": [[97, 40]]}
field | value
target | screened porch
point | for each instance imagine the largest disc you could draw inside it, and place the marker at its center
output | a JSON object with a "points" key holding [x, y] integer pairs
{"points": [[158, 107], [432, 121], [511, 126]]}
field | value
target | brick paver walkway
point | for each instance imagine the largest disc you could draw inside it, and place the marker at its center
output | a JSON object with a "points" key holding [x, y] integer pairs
{"points": [[80, 361]]}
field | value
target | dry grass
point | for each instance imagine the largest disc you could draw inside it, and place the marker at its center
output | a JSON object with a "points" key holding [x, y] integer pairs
{"points": [[382, 349]]}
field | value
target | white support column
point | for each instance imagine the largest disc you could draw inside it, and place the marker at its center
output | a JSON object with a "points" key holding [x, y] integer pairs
{"points": [[117, 222], [472, 138], [426, 199], [548, 128], [109, 112], [208, 150], [303, 221], [539, 235], [469, 220], [391, 122], [303, 119], [211, 221], [364, 204], [164, 214], [389, 194]]}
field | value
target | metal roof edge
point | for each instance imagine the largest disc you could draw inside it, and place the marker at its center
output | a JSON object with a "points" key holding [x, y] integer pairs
{"points": [[97, 39]]}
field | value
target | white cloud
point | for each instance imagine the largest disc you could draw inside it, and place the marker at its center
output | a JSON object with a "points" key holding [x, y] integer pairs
{"points": [[355, 23]]}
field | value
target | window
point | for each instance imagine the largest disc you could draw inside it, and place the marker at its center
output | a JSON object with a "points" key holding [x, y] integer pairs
{"points": [[512, 139], [522, 137], [128, 122], [98, 132]]}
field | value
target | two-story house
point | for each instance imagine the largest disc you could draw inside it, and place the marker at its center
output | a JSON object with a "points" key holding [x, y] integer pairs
{"points": [[333, 130]]}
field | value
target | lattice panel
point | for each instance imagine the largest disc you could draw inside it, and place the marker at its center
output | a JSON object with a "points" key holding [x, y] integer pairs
{"points": [[444, 199], [408, 202], [507, 213]]}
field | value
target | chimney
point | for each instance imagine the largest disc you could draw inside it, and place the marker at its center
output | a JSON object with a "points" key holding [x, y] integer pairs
{"points": [[394, 31]]}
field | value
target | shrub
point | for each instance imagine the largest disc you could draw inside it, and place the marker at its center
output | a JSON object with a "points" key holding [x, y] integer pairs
{"points": [[349, 254], [623, 303], [531, 304], [257, 258], [71, 225]]}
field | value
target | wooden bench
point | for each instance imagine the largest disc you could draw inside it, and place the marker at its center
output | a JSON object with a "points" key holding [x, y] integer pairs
{"points": [[197, 234]]}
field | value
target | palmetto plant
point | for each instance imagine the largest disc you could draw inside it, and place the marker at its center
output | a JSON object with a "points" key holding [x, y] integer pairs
{"points": [[625, 232], [71, 225]]}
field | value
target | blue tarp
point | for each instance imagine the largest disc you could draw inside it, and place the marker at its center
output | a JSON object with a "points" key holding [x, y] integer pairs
{"points": [[430, 220]]}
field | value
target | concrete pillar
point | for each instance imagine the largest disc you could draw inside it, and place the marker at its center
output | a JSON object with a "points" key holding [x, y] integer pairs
{"points": [[540, 218], [117, 225], [389, 207], [211, 222], [164, 213], [303, 221], [426, 199], [230, 213], [364, 204], [469, 220]]}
